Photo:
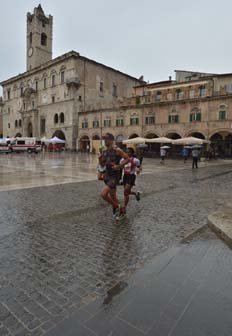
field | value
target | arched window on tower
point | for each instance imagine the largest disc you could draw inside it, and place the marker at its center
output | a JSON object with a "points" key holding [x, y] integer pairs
{"points": [[44, 39], [62, 117], [30, 38], [16, 123], [56, 118]]}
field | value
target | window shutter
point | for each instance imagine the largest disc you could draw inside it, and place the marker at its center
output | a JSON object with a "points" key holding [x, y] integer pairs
{"points": [[198, 116]]}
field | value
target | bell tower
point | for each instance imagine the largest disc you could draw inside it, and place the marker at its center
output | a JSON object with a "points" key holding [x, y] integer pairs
{"points": [[39, 38]]}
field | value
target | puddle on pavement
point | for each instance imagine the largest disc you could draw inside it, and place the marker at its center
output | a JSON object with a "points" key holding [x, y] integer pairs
{"points": [[114, 291]]}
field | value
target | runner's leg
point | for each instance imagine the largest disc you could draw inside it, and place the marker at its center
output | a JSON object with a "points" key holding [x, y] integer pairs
{"points": [[107, 193], [127, 193]]}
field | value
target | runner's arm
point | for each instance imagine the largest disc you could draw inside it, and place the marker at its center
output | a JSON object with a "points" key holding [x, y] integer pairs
{"points": [[125, 158]]}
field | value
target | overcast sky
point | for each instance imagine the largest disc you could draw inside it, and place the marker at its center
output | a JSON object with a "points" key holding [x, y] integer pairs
{"points": [[139, 37]]}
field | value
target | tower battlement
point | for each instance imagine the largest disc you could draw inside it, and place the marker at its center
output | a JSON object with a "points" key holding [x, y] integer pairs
{"points": [[39, 38]]}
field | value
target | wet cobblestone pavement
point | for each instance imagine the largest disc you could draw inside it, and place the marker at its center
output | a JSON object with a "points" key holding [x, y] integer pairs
{"points": [[60, 250]]}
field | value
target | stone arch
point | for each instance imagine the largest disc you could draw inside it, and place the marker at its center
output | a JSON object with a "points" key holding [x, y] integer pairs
{"points": [[30, 130], [59, 134], [96, 137], [152, 147], [196, 134], [133, 135], [224, 131], [221, 142], [18, 135], [84, 143], [109, 134], [216, 137], [173, 135], [96, 143], [151, 136]]}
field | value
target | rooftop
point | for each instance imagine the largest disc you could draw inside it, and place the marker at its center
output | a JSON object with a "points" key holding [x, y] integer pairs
{"points": [[61, 59]]}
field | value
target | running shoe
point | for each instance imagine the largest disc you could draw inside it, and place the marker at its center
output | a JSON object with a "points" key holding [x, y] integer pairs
{"points": [[137, 196], [117, 213], [114, 212], [122, 213]]}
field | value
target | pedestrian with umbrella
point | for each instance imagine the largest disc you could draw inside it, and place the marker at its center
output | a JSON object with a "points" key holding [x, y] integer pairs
{"points": [[163, 152], [185, 153]]}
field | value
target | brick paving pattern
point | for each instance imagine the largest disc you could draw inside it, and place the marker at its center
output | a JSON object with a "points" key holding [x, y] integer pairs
{"points": [[60, 250]]}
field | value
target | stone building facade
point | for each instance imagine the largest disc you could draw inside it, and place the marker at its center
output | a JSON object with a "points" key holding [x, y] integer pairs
{"points": [[1, 117], [199, 107], [46, 99]]}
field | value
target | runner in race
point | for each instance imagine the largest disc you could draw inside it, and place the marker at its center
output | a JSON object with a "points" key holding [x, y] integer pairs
{"points": [[111, 159], [130, 170]]}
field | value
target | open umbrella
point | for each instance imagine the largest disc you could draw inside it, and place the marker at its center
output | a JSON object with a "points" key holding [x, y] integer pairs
{"points": [[134, 141], [159, 140], [165, 147], [196, 146], [142, 146]]}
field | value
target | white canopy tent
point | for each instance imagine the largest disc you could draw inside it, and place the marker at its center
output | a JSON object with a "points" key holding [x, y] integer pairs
{"points": [[190, 141], [44, 140], [56, 140], [159, 140], [134, 141]]}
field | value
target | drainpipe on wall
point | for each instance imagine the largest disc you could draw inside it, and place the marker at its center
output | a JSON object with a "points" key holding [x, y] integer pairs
{"points": [[101, 128]]}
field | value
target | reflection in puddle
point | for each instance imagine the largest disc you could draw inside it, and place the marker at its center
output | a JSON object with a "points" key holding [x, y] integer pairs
{"points": [[116, 290]]}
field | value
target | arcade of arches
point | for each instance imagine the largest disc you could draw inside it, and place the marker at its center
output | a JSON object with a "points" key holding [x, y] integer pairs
{"points": [[221, 142]]}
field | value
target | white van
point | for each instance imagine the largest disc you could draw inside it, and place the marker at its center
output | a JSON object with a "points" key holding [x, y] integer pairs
{"points": [[29, 145], [5, 148]]}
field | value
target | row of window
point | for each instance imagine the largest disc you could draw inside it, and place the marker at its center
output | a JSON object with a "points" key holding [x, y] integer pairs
{"points": [[149, 120], [179, 94], [114, 89], [59, 118], [18, 123], [53, 81], [62, 81], [45, 84]]}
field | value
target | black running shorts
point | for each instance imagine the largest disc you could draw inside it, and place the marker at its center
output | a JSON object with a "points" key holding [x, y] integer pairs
{"points": [[129, 179], [112, 180]]}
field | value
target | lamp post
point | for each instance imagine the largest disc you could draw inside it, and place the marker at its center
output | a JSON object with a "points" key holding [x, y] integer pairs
{"points": [[101, 127]]}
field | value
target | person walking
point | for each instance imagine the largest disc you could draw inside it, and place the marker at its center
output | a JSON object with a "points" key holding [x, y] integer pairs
{"points": [[111, 159], [195, 158], [100, 169], [162, 155], [130, 170], [185, 154]]}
